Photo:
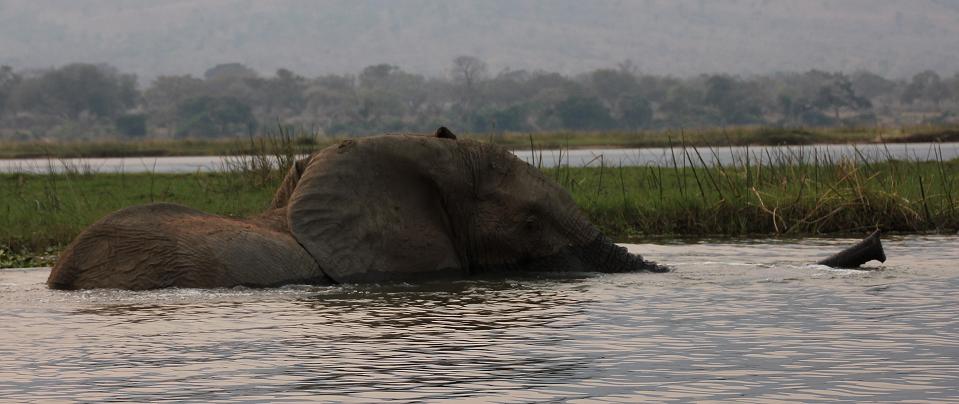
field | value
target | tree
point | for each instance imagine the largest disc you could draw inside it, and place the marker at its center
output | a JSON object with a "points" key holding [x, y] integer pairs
{"points": [[377, 104], [655, 88], [389, 81], [284, 93], [636, 111], [467, 71], [332, 100], [610, 85], [542, 92], [466, 74], [683, 106], [388, 98], [735, 101], [801, 112], [511, 118], [8, 83], [229, 71], [166, 93], [507, 87], [584, 113], [207, 116], [131, 125], [77, 89], [376, 75], [871, 85], [839, 94], [926, 86], [952, 85]]}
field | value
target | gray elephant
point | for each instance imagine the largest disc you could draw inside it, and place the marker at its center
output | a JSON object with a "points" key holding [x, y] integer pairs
{"points": [[378, 209]]}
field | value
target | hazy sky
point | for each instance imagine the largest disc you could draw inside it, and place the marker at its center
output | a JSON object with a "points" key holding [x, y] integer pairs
{"points": [[896, 38]]}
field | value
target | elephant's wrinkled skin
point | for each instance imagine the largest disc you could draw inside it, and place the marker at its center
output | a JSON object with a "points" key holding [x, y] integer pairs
{"points": [[378, 209], [163, 245]]}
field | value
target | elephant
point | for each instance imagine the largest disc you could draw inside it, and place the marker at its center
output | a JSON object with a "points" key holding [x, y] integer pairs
{"points": [[389, 208]]}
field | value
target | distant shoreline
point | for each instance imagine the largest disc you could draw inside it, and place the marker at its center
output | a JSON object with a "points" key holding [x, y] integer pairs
{"points": [[304, 143]]}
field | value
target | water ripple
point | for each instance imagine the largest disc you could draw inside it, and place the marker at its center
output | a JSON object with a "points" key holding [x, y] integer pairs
{"points": [[746, 321]]}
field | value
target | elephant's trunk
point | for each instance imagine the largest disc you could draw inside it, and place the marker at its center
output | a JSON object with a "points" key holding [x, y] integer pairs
{"points": [[597, 252], [605, 256]]}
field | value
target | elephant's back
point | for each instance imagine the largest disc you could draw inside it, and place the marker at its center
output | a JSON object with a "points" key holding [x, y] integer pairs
{"points": [[163, 245], [114, 251]]}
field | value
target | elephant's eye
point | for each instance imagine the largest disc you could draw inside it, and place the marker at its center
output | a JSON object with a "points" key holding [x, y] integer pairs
{"points": [[532, 221]]}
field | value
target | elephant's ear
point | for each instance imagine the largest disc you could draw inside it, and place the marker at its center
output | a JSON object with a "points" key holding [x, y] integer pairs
{"points": [[366, 216]]}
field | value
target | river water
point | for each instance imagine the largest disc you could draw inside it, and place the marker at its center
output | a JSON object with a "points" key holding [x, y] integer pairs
{"points": [[745, 320], [546, 158]]}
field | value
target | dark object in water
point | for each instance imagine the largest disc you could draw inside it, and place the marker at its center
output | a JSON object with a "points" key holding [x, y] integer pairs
{"points": [[870, 248]]}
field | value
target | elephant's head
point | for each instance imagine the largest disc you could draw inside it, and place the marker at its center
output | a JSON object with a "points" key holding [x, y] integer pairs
{"points": [[404, 207]]}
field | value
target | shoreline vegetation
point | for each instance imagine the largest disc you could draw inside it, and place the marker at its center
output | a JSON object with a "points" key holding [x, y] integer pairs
{"points": [[779, 195], [304, 142]]}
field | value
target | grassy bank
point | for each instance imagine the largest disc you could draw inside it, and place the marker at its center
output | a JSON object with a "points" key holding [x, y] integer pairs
{"points": [[41, 213], [797, 200], [305, 142], [776, 195]]}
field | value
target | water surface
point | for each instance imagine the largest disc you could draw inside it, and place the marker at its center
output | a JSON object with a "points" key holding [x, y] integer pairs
{"points": [[655, 156], [746, 320]]}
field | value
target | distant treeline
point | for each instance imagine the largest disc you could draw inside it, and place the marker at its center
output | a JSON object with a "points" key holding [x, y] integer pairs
{"points": [[89, 101]]}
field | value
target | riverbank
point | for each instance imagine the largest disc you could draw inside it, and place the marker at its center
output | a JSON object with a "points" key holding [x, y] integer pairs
{"points": [[40, 213], [304, 143]]}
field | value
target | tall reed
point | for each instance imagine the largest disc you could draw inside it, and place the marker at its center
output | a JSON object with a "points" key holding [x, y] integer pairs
{"points": [[795, 191]]}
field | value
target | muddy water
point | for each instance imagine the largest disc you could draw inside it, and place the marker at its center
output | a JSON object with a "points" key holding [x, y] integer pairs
{"points": [[745, 321]]}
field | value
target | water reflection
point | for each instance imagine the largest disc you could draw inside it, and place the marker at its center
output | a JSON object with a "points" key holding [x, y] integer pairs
{"points": [[735, 321]]}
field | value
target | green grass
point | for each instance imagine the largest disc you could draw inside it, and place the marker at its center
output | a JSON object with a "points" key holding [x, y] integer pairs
{"points": [[800, 199], [304, 142], [43, 212], [775, 195]]}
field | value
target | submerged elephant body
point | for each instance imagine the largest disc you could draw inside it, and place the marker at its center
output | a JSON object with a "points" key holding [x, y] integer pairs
{"points": [[166, 245], [378, 209]]}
